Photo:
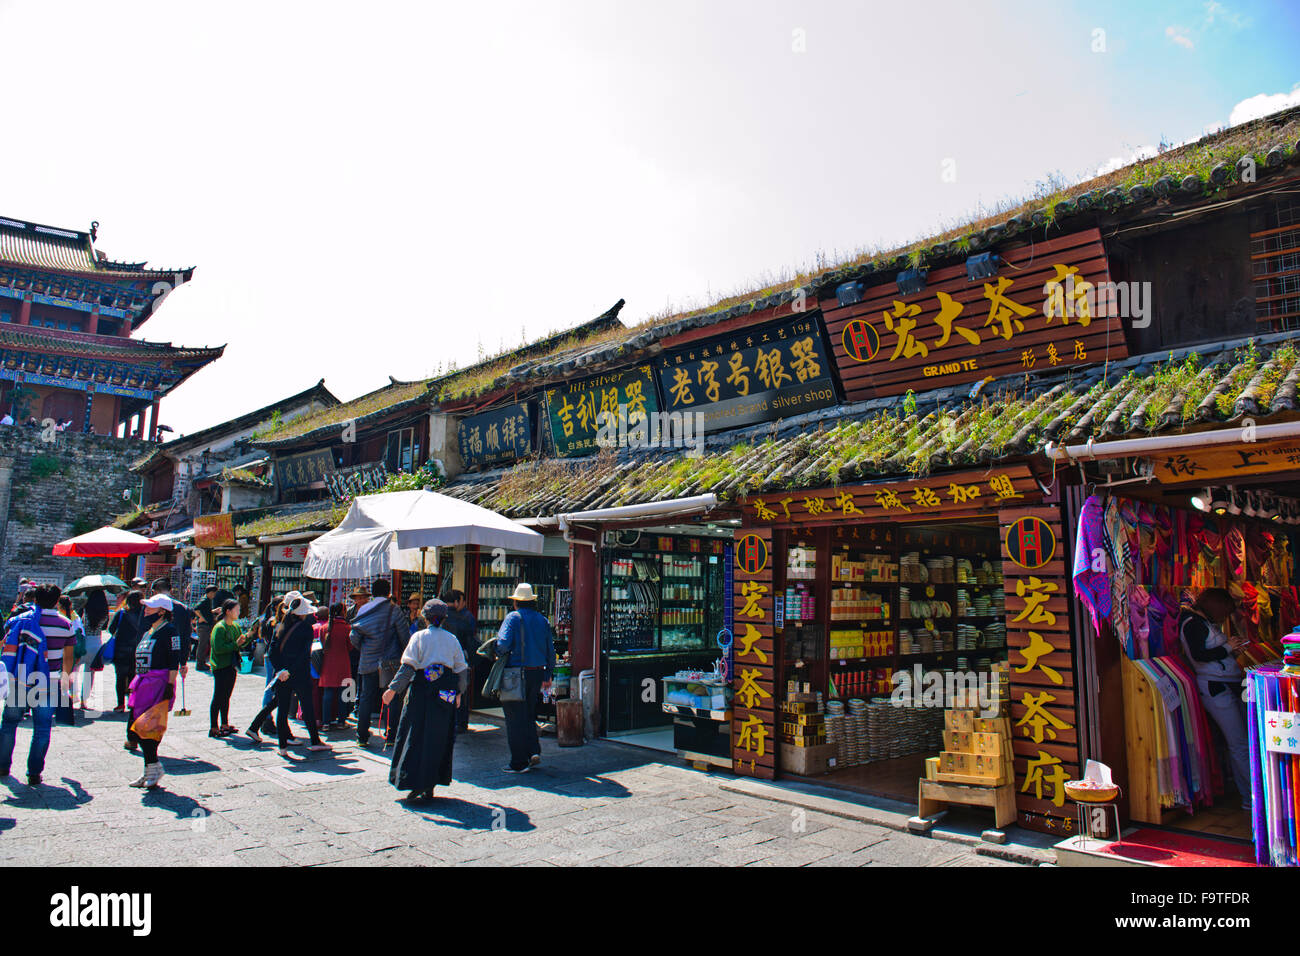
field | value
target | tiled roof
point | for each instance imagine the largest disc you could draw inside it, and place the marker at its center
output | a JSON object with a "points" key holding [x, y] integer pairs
{"points": [[1170, 183], [1169, 392], [286, 519], [324, 423], [67, 250], [105, 347]]}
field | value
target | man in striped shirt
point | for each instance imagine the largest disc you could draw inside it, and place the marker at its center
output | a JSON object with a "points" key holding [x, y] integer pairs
{"points": [[39, 696]]}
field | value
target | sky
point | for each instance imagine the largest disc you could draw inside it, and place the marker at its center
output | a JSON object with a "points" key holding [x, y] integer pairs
{"points": [[382, 189]]}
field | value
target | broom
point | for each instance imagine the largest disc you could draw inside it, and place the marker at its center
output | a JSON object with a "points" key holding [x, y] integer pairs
{"points": [[184, 711]]}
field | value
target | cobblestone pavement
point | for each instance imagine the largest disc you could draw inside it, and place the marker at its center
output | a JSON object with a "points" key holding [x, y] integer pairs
{"points": [[226, 802]]}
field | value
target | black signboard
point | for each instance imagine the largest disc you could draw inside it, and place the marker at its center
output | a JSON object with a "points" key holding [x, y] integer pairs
{"points": [[501, 435], [756, 375], [574, 408], [305, 469]]}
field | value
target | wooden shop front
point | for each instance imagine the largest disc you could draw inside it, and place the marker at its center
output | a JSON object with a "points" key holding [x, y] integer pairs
{"points": [[877, 607]]}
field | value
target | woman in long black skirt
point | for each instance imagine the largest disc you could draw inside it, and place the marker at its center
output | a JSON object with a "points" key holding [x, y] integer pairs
{"points": [[433, 675]]}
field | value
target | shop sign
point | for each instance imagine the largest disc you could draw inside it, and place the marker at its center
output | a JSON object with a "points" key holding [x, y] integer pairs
{"points": [[356, 480], [573, 409], [898, 500], [1281, 732], [308, 468], [1050, 306], [501, 435], [214, 531], [756, 375], [1226, 462], [287, 553], [753, 670], [1030, 542], [1043, 709]]}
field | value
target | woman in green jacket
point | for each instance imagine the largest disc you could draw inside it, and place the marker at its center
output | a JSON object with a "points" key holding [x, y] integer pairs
{"points": [[223, 656]]}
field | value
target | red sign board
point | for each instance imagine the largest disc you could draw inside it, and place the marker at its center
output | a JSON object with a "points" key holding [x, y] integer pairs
{"points": [[1051, 305], [214, 531]]}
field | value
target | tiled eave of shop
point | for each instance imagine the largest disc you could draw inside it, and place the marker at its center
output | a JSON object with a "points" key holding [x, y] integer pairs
{"points": [[288, 519], [1012, 419]]}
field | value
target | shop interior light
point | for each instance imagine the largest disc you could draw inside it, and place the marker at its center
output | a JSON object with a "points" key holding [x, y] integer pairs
{"points": [[1248, 504], [1234, 501], [1202, 501]]}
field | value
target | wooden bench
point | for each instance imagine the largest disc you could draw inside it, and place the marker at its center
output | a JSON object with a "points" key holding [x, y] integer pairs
{"points": [[933, 796]]}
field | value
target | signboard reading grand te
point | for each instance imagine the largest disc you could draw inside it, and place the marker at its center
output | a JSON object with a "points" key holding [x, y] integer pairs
{"points": [[1049, 306], [755, 375], [574, 408]]}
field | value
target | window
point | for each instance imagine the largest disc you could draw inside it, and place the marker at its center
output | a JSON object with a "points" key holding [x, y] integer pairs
{"points": [[402, 452], [6, 317]]}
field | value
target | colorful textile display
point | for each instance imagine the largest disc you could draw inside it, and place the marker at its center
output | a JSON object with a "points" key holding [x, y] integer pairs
{"points": [[1187, 771], [1275, 775]]}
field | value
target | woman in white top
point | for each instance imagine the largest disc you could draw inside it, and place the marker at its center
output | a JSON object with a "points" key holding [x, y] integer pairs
{"points": [[433, 676]]}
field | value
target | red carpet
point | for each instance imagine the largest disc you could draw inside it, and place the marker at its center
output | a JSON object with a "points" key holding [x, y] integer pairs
{"points": [[1180, 849]]}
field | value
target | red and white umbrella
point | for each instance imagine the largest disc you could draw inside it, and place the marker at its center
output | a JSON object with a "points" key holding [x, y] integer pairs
{"points": [[105, 543]]}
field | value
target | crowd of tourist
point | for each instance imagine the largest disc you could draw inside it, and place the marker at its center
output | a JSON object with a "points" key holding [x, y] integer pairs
{"points": [[409, 667]]}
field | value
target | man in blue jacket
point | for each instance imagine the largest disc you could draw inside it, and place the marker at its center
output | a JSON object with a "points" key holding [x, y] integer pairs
{"points": [[525, 636]]}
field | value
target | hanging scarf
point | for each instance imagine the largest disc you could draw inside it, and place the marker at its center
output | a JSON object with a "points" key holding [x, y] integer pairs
{"points": [[1118, 551], [1092, 586]]}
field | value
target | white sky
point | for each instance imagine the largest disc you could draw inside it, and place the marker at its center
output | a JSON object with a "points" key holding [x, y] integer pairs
{"points": [[372, 189]]}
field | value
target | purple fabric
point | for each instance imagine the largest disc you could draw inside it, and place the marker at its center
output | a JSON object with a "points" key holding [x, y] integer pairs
{"points": [[1092, 587], [148, 689]]}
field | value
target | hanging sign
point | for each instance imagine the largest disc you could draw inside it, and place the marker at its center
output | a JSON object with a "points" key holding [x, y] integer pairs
{"points": [[1281, 732], [496, 437], [756, 375]]}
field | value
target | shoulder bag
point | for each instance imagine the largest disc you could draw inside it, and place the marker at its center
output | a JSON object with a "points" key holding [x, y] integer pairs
{"points": [[512, 678]]}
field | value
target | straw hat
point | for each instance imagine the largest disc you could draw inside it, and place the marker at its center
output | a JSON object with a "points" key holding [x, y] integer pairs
{"points": [[360, 591], [524, 592]]}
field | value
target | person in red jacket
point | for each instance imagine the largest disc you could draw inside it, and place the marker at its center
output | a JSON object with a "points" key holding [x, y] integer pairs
{"points": [[336, 666]]}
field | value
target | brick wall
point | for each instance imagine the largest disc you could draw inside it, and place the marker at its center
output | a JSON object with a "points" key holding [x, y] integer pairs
{"points": [[50, 491]]}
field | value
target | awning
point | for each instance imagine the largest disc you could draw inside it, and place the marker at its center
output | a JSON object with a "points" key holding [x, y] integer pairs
{"points": [[174, 539], [383, 533]]}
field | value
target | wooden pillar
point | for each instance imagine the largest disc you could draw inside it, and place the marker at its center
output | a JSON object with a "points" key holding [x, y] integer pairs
{"points": [[153, 418], [25, 310], [124, 329], [584, 580]]}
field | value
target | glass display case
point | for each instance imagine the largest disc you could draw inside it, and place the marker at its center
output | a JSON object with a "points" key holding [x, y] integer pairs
{"points": [[661, 610]]}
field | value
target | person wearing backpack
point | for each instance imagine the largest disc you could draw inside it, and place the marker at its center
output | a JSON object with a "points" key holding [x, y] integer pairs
{"points": [[38, 652]]}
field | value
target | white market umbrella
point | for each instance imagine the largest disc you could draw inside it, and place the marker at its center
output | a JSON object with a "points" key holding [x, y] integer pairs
{"points": [[392, 532]]}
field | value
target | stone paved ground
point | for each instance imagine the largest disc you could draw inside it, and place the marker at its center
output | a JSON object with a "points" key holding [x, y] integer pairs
{"points": [[227, 802]]}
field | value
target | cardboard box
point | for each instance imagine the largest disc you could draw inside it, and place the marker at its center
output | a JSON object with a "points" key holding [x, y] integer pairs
{"points": [[962, 720], [987, 743], [959, 741], [993, 725], [807, 761], [962, 763], [931, 768]]}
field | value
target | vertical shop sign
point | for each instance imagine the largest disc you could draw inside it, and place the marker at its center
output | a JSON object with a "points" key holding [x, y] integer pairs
{"points": [[1044, 714], [753, 727]]}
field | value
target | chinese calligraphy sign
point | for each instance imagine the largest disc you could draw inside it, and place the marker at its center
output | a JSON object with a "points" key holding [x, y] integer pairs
{"points": [[496, 437], [1034, 316], [574, 409]]}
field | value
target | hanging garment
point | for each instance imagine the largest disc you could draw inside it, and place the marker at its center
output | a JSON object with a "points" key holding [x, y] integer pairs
{"points": [[1120, 554], [1091, 579]]}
